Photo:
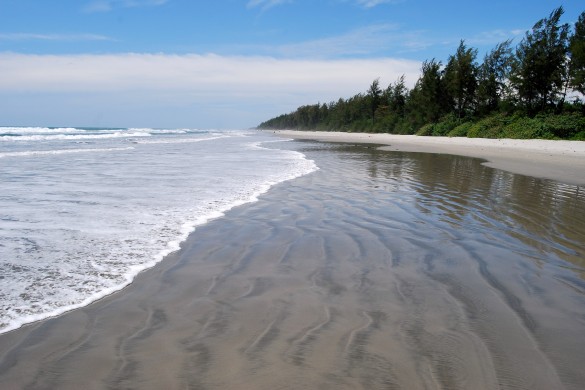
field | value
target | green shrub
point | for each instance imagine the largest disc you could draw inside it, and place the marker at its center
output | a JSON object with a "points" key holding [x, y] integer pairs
{"points": [[527, 128], [490, 127], [426, 129], [461, 130], [442, 128], [564, 126]]}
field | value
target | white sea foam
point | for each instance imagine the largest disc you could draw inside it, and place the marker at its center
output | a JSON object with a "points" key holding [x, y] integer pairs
{"points": [[77, 224], [179, 140], [160, 131], [69, 137], [39, 130], [29, 153]]}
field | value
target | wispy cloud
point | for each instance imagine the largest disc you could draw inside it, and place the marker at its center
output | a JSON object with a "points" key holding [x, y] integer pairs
{"points": [[362, 41], [52, 37], [368, 41], [374, 3], [494, 37], [266, 4], [109, 5]]}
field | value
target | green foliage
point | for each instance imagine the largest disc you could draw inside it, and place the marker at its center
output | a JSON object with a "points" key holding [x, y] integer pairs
{"points": [[426, 129], [492, 76], [513, 94], [461, 130], [429, 96], [490, 127], [441, 128], [577, 52], [460, 78], [564, 126], [539, 68], [545, 126], [526, 128]]}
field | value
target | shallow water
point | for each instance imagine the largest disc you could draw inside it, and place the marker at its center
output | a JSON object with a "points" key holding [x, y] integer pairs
{"points": [[507, 251], [82, 211], [380, 270]]}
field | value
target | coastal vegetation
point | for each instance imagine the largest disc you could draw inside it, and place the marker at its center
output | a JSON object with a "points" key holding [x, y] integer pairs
{"points": [[533, 90]]}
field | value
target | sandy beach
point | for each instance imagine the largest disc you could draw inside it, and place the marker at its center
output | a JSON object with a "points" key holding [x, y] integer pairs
{"points": [[557, 160], [382, 270]]}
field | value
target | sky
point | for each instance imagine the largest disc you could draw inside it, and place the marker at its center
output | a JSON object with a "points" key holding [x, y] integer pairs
{"points": [[228, 64]]}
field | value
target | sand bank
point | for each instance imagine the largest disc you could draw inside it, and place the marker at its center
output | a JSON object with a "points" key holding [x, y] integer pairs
{"points": [[563, 161]]}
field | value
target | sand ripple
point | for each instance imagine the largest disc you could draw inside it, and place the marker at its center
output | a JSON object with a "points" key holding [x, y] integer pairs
{"points": [[380, 271]]}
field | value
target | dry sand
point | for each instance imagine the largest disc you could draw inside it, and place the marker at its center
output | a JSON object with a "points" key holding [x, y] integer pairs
{"points": [[379, 271], [557, 160]]}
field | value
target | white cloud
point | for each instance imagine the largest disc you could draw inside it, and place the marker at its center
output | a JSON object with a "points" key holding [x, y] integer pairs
{"points": [[108, 5], [198, 73], [155, 85], [374, 3], [52, 37], [266, 4], [369, 41], [494, 37], [362, 41]]}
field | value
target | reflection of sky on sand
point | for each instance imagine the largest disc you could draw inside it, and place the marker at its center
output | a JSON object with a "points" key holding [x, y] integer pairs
{"points": [[493, 241], [541, 220]]}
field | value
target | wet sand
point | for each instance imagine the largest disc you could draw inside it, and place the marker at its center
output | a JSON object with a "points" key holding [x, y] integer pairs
{"points": [[382, 270], [556, 160]]}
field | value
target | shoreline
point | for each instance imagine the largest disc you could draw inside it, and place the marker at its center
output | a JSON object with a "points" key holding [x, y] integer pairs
{"points": [[562, 161], [359, 275]]}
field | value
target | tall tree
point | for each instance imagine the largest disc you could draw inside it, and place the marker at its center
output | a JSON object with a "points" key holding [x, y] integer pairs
{"points": [[427, 101], [539, 70], [577, 54], [461, 79], [396, 96], [492, 76], [374, 96]]}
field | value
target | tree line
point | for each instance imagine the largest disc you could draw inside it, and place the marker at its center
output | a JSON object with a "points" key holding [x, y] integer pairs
{"points": [[532, 90]]}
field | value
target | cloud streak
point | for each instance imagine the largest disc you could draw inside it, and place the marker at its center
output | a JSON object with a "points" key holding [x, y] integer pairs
{"points": [[109, 5], [266, 4], [374, 3], [494, 37], [246, 90], [376, 40], [53, 37], [365, 41]]}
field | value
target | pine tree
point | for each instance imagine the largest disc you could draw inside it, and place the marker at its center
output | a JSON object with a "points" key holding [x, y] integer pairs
{"points": [[539, 69], [577, 53], [461, 79], [493, 75]]}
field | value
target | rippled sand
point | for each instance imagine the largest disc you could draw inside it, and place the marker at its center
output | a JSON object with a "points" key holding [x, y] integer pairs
{"points": [[380, 271]]}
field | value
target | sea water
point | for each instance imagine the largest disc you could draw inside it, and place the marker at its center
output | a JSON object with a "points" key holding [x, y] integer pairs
{"points": [[83, 211]]}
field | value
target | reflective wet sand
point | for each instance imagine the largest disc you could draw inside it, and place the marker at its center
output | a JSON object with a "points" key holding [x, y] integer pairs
{"points": [[383, 270]]}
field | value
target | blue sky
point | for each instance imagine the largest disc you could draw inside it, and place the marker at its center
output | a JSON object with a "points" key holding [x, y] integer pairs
{"points": [[227, 63]]}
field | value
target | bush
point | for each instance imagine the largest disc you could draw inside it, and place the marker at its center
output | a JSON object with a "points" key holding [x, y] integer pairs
{"points": [[442, 128], [490, 127], [527, 128], [567, 126], [426, 129], [461, 130], [564, 126]]}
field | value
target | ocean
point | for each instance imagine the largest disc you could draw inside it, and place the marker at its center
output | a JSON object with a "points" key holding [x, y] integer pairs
{"points": [[84, 210]]}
